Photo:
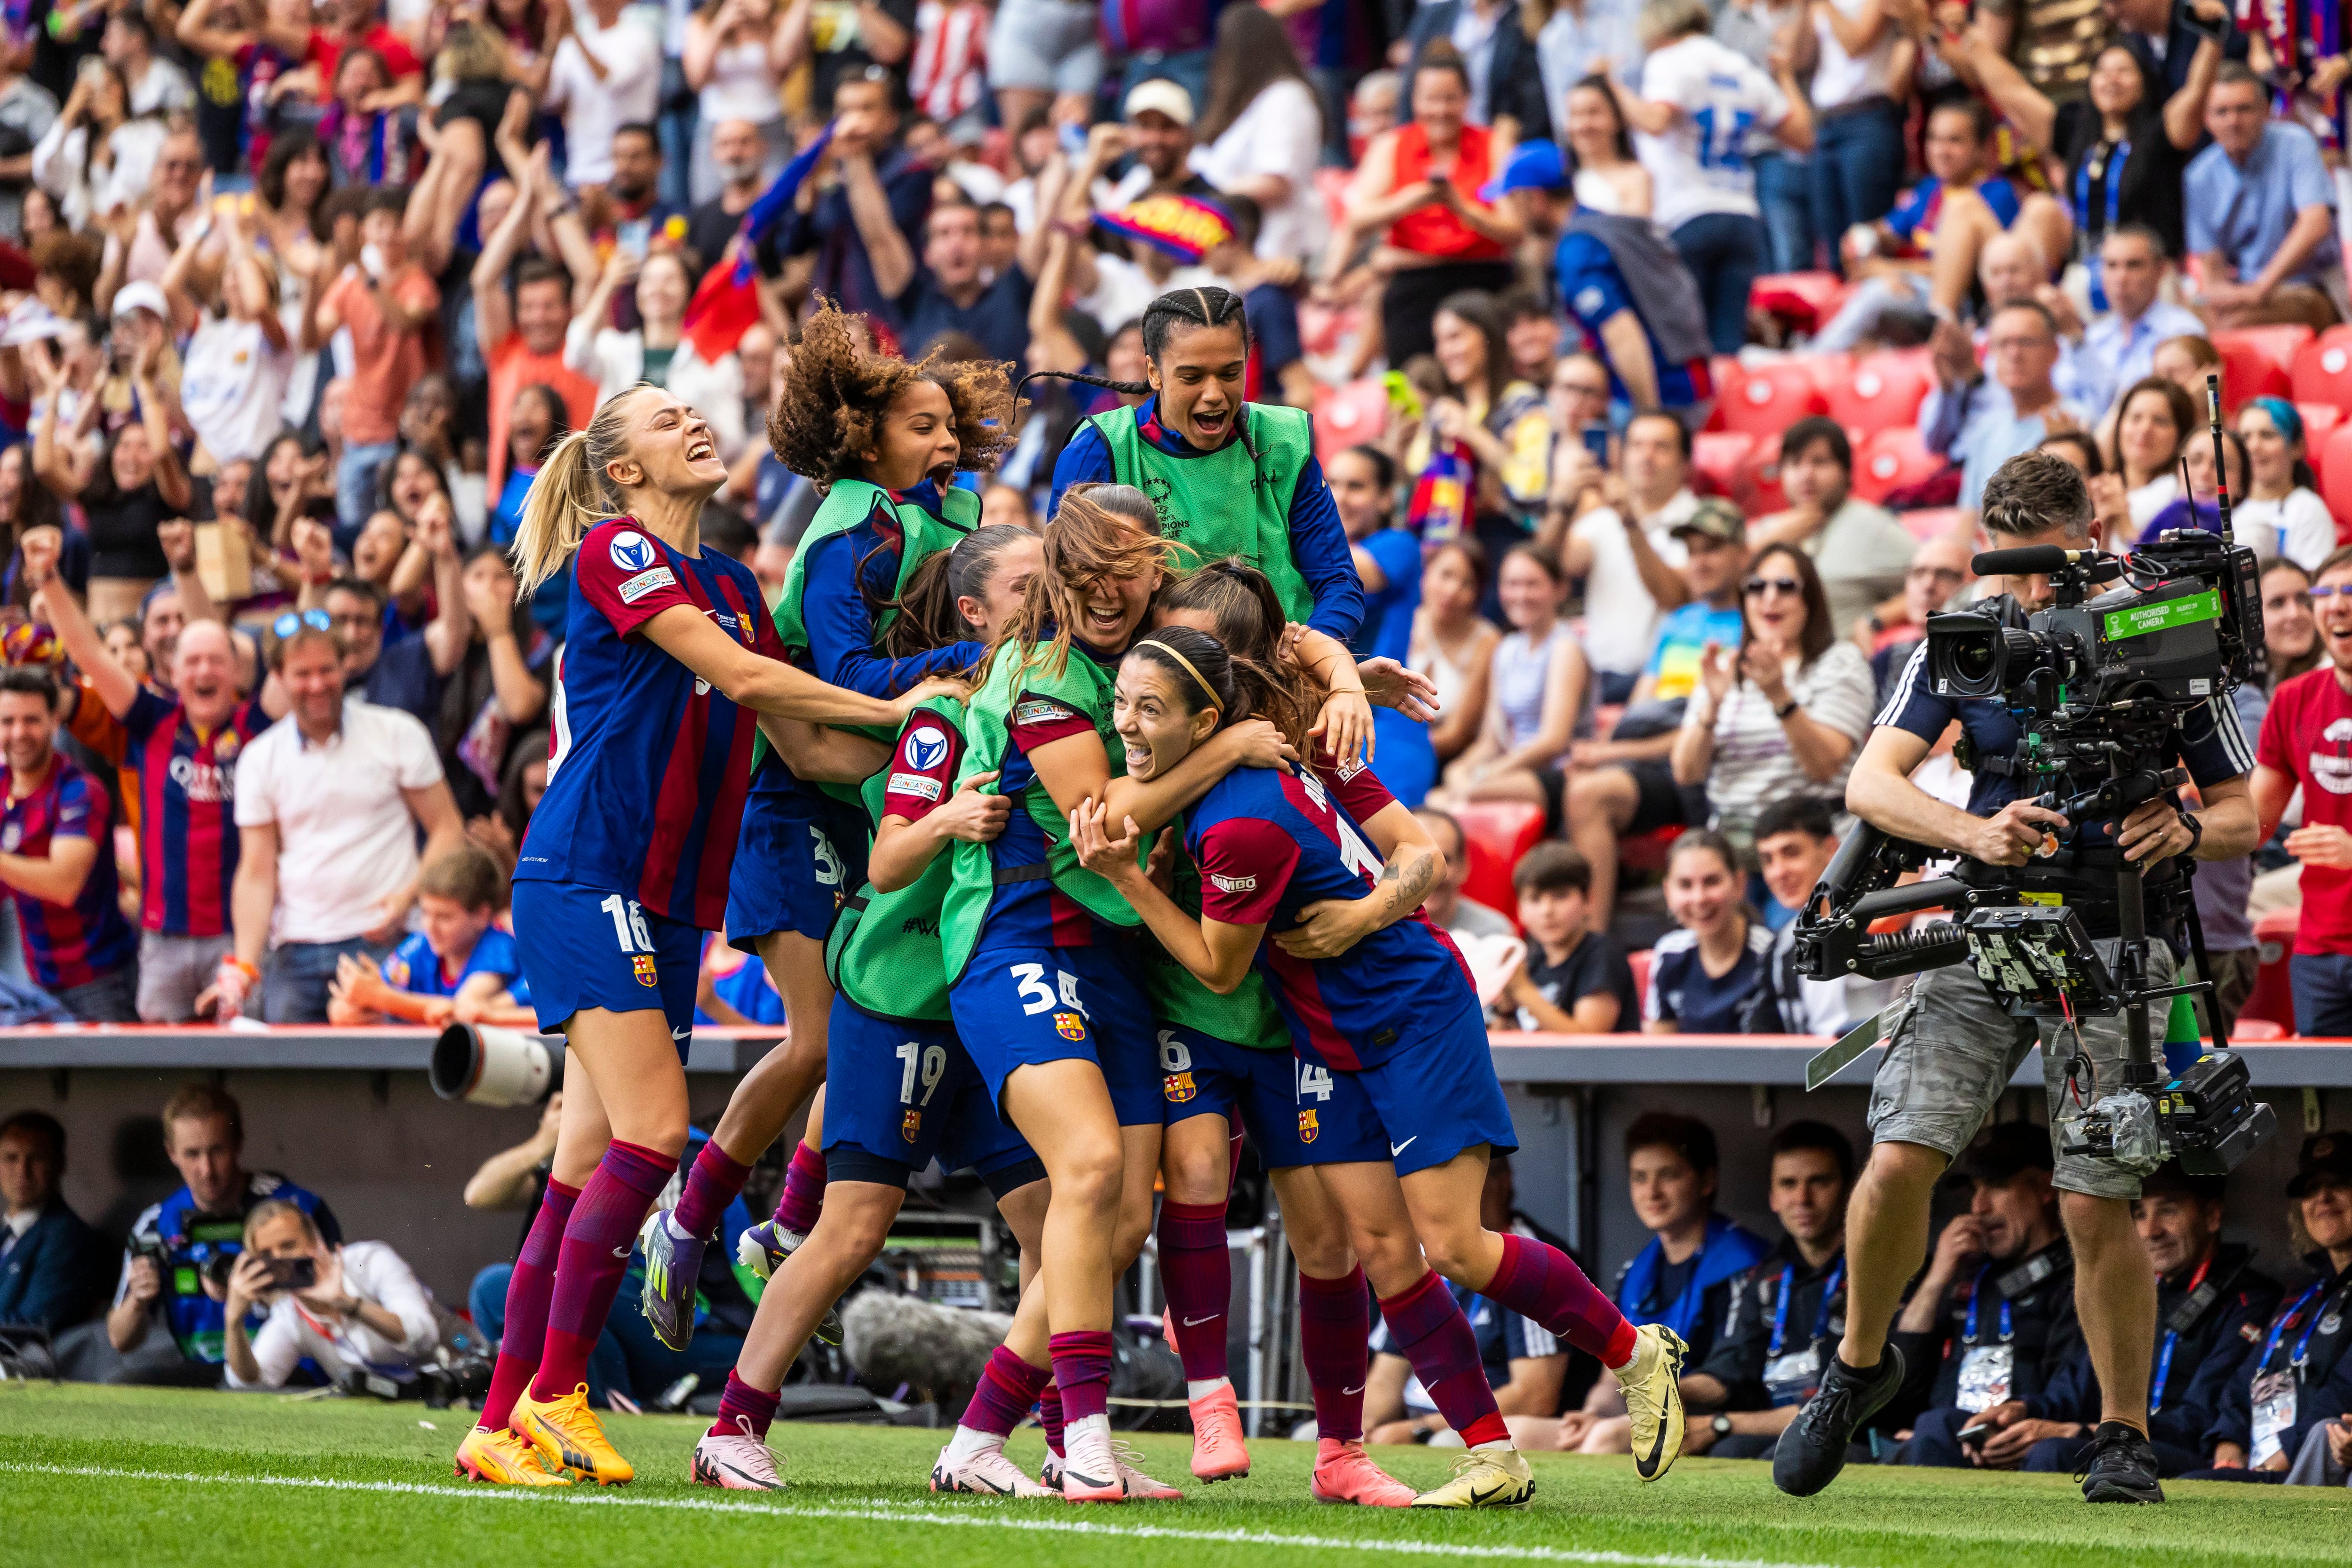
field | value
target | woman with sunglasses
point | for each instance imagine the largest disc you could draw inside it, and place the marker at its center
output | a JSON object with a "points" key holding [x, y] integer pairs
{"points": [[1784, 714]]}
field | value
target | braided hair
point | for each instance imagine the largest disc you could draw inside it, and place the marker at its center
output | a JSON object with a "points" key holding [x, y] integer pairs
{"points": [[1207, 306]]}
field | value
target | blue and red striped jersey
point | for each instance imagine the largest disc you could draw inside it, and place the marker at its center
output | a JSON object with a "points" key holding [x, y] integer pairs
{"points": [[67, 944], [187, 811], [648, 766], [1268, 844]]}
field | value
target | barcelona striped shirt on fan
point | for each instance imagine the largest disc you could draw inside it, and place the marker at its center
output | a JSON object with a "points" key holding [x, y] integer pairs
{"points": [[66, 944], [1270, 842], [647, 764], [188, 810]]}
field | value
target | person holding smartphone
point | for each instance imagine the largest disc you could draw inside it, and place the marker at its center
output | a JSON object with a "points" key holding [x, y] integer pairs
{"points": [[352, 1309]]}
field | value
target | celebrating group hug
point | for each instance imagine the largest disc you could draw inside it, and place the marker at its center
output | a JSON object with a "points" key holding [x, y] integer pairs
{"points": [[1068, 854]]}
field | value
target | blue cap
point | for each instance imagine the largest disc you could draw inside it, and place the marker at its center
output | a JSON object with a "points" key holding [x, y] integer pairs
{"points": [[1534, 166]]}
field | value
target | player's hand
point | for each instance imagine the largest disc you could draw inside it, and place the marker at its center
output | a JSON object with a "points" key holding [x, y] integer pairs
{"points": [[1388, 684], [2015, 834], [972, 814], [146, 1281], [937, 687], [248, 1284], [1326, 929], [2154, 831], [1345, 727], [2326, 846], [1263, 746], [1113, 859]]}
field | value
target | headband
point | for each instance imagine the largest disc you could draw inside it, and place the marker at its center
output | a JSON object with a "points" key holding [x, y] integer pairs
{"points": [[1207, 691]]}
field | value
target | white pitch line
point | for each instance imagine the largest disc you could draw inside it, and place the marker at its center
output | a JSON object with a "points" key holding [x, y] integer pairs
{"points": [[979, 1516]]}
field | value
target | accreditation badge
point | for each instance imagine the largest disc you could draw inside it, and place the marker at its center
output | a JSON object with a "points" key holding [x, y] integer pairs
{"points": [[2273, 1399], [1987, 1374]]}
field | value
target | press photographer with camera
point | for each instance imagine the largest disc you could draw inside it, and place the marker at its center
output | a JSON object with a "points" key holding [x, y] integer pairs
{"points": [[353, 1309], [1952, 1045]]}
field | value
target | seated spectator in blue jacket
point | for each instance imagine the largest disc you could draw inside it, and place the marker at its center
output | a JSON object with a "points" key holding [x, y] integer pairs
{"points": [[1993, 1320], [2293, 1390], [175, 1271], [2212, 1307], [52, 1266], [1523, 1363], [1778, 1340], [1684, 1279]]}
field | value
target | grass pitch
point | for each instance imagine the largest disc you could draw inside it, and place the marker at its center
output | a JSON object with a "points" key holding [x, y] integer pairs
{"points": [[101, 1477]]}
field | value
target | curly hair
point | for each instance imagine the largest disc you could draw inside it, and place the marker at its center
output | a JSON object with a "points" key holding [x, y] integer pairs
{"points": [[837, 391]]}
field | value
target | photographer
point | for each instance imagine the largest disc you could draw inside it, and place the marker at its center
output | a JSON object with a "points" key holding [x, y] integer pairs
{"points": [[352, 1309], [1950, 1046]]}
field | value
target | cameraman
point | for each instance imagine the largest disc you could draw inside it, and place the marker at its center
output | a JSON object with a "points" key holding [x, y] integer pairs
{"points": [[361, 1311], [1950, 1046]]}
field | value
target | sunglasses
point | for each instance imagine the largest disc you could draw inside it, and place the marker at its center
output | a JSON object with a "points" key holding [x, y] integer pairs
{"points": [[1789, 586], [286, 625], [2329, 590]]}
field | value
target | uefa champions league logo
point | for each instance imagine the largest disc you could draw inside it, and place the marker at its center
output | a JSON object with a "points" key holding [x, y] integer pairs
{"points": [[925, 748], [632, 551]]}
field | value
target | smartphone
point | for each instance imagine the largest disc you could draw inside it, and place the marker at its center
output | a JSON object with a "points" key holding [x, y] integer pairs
{"points": [[2186, 15], [293, 1273], [1974, 1437], [1596, 441]]}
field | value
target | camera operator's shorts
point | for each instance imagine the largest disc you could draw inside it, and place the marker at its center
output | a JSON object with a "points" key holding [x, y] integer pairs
{"points": [[1951, 1050]]}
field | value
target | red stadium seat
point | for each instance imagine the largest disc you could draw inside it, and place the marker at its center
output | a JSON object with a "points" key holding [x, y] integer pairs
{"points": [[1892, 459], [1805, 300], [2335, 466], [2258, 361], [1882, 392], [1638, 962], [1348, 416], [2273, 994], [1498, 833], [2323, 372], [1828, 371], [1722, 456], [2319, 422], [1766, 399]]}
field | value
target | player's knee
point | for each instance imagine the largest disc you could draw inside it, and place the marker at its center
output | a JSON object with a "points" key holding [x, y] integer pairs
{"points": [[1088, 1175], [1453, 1250], [1902, 1167], [1323, 1257], [1195, 1175]]}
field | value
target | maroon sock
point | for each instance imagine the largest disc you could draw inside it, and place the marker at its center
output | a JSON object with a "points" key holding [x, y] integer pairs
{"points": [[743, 1411], [596, 1256], [1197, 1273], [1334, 1332], [1082, 1372], [712, 1182], [1543, 1284], [528, 1291], [803, 1196], [1429, 1328], [1008, 1387], [1049, 1416]]}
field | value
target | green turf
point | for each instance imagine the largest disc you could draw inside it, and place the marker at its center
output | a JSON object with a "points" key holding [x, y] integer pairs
{"points": [[107, 1477]]}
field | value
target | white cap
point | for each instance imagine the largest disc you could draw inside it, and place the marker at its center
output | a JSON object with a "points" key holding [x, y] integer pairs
{"points": [[1167, 97], [140, 296]]}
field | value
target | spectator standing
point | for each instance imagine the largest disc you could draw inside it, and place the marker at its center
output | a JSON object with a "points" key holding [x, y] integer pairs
{"points": [[239, 356], [2162, 32], [97, 158], [340, 791], [1575, 979], [1860, 550], [739, 158], [522, 332], [1607, 175], [1261, 135], [57, 860], [158, 86], [2262, 214], [1629, 554], [1041, 53], [953, 291], [1698, 102], [1760, 32], [1580, 39], [737, 52], [1993, 1320], [1703, 974], [175, 1270], [876, 202], [1778, 1340], [364, 1312], [52, 1265], [871, 40], [389, 304], [658, 350], [2282, 514], [1498, 49], [1424, 182], [27, 112], [2117, 349], [127, 489], [606, 76], [1858, 155], [2294, 752]]}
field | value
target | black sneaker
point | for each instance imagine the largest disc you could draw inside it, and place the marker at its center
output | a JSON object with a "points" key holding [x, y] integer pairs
{"points": [[2121, 1466], [1811, 1451]]}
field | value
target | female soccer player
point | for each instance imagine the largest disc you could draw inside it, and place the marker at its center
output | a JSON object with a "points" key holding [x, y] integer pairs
{"points": [[899, 1084], [884, 439], [666, 666], [1396, 1011]]}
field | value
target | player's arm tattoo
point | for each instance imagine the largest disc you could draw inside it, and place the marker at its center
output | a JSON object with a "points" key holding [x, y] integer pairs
{"points": [[1406, 879]]}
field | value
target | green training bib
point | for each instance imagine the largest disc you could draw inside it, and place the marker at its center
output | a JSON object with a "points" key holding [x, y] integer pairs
{"points": [[1223, 503], [884, 953]]}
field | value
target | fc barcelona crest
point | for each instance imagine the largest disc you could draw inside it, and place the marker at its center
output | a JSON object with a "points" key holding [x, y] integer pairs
{"points": [[1307, 1127], [1069, 1025], [644, 965], [912, 1127], [1179, 1088]]}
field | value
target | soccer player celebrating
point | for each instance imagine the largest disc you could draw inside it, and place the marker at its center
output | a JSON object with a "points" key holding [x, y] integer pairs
{"points": [[667, 665], [899, 1086], [884, 439], [1397, 1012]]}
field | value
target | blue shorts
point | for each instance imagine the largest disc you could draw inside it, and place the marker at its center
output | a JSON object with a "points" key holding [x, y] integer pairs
{"points": [[904, 1092], [1297, 1113], [1025, 1006], [1435, 1094], [799, 854], [585, 947]]}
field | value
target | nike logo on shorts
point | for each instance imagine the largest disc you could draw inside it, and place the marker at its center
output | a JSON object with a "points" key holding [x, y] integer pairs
{"points": [[1396, 1149]]}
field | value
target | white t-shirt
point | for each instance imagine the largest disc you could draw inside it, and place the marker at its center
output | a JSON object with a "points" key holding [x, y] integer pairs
{"points": [[2150, 498], [630, 92], [233, 386], [2299, 527], [374, 1273], [1122, 289], [1841, 78], [1621, 619], [345, 839], [1281, 134], [1700, 165], [1754, 763]]}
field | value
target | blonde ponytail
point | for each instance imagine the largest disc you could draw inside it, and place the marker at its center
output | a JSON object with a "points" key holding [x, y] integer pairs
{"points": [[571, 494]]}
